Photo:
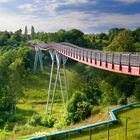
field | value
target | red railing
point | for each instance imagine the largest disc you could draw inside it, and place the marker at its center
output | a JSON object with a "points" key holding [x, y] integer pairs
{"points": [[120, 62]]}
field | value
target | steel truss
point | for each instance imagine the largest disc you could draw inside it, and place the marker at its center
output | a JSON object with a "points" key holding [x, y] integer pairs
{"points": [[38, 56], [59, 59]]}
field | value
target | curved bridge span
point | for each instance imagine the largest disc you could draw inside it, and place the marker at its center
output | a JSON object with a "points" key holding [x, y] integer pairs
{"points": [[120, 62]]}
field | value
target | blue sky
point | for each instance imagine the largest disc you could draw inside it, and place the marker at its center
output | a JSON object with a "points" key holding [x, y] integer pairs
{"points": [[90, 16]]}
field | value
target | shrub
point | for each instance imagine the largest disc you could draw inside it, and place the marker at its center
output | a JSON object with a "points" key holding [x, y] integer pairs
{"points": [[137, 92], [60, 123], [132, 99], [110, 94], [78, 108], [122, 101], [48, 121], [35, 120], [92, 91], [9, 126]]}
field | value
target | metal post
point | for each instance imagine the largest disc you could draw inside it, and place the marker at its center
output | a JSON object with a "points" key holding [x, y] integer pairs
{"points": [[54, 90], [58, 60], [65, 77], [112, 60], [38, 55], [62, 91], [126, 122], [52, 67], [108, 131], [129, 62], [95, 58], [40, 59], [120, 62], [36, 59], [90, 133], [69, 136]]}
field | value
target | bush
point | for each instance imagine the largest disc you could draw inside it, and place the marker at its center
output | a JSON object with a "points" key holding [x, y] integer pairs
{"points": [[35, 120], [78, 108], [137, 92], [122, 101], [48, 121], [132, 99], [92, 91], [60, 123], [9, 126]]}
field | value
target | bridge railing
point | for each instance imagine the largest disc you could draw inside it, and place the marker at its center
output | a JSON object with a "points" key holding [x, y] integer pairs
{"points": [[121, 62], [127, 59]]}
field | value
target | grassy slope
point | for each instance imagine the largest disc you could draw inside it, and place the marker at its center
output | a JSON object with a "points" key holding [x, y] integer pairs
{"points": [[117, 131], [36, 94]]}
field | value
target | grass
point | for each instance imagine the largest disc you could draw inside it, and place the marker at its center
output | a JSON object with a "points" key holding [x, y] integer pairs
{"points": [[117, 131], [34, 101]]}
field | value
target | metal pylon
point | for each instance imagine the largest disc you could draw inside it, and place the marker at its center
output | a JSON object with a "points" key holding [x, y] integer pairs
{"points": [[59, 59], [38, 56], [64, 58], [52, 54]]}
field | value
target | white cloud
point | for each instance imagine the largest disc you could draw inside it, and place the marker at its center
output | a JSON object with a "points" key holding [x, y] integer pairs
{"points": [[86, 22], [76, 2], [51, 7], [28, 7], [128, 1], [4, 1]]}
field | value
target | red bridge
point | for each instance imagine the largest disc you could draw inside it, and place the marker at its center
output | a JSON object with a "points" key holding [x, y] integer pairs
{"points": [[120, 62]]}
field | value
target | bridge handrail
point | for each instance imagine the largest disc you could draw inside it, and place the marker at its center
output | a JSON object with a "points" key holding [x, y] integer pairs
{"points": [[97, 57]]}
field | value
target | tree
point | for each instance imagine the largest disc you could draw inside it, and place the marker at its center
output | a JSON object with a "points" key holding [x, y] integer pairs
{"points": [[25, 36], [16, 37], [78, 108], [113, 32], [4, 36], [12, 74], [123, 42], [32, 32], [136, 35]]}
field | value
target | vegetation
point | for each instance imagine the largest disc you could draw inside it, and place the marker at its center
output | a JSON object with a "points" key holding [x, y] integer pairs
{"points": [[78, 108], [20, 88]]}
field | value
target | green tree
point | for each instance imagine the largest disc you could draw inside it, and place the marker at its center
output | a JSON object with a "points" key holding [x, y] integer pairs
{"points": [[12, 74], [25, 35], [136, 35], [114, 32], [123, 42], [78, 108], [32, 32]]}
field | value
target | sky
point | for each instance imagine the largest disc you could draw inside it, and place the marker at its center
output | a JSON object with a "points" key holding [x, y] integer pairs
{"points": [[89, 16]]}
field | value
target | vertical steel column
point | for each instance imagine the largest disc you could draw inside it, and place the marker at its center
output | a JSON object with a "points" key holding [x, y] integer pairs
{"points": [[40, 59], [52, 54], [54, 89], [36, 59], [38, 55], [58, 60], [65, 76]]}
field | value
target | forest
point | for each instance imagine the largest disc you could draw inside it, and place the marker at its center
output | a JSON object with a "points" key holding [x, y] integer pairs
{"points": [[94, 86]]}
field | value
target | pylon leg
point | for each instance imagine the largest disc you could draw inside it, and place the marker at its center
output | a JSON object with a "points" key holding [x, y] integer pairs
{"points": [[38, 56], [65, 75], [58, 60], [49, 89], [40, 59], [36, 59], [54, 90]]}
